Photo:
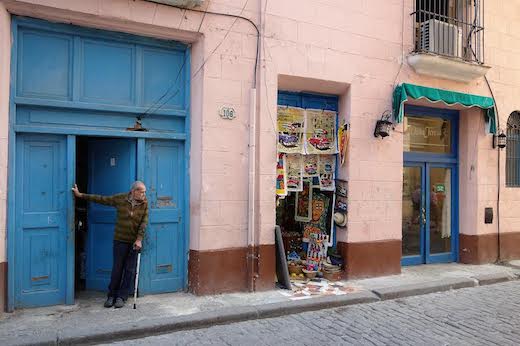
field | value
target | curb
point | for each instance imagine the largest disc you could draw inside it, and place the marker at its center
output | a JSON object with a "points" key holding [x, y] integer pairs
{"points": [[149, 327], [489, 279], [442, 285], [201, 320]]}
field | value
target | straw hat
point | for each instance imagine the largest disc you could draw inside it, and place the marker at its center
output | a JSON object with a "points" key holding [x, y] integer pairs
{"points": [[340, 219]]}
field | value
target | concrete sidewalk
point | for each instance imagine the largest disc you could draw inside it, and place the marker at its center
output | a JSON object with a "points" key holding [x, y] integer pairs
{"points": [[87, 322]]}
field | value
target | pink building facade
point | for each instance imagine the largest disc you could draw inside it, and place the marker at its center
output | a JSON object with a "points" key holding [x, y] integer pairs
{"points": [[357, 51]]}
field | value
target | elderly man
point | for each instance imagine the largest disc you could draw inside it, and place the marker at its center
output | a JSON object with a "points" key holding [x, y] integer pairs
{"points": [[132, 218]]}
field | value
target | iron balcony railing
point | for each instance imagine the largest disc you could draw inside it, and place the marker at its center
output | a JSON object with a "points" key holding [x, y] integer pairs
{"points": [[452, 28]]}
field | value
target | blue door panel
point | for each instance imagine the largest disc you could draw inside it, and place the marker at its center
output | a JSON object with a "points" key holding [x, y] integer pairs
{"points": [[160, 71], [45, 65], [99, 68], [163, 250], [41, 219], [108, 72], [112, 169]]}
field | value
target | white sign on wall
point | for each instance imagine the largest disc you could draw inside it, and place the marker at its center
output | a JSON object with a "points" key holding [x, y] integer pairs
{"points": [[227, 113]]}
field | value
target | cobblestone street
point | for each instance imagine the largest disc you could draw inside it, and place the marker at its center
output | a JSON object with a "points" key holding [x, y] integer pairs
{"points": [[486, 315]]}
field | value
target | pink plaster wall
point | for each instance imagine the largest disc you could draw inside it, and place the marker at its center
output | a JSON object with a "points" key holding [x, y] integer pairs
{"points": [[354, 49]]}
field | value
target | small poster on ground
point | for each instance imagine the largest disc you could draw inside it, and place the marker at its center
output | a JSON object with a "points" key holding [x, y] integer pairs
{"points": [[281, 176], [326, 169], [294, 172], [290, 123], [320, 132]]}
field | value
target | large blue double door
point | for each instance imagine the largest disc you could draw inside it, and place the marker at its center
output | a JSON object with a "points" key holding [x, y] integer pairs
{"points": [[44, 214], [69, 82]]}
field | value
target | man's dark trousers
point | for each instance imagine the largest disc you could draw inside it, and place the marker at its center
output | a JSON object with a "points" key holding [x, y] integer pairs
{"points": [[123, 270]]}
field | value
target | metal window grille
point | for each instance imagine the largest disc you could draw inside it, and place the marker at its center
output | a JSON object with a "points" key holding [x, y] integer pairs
{"points": [[453, 28], [513, 150]]}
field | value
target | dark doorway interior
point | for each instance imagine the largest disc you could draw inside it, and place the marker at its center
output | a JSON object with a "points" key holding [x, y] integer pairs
{"points": [[80, 213]]}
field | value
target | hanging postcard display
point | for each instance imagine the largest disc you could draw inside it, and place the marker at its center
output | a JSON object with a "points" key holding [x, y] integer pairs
{"points": [[343, 137], [294, 172], [326, 169], [320, 132], [290, 124], [281, 176], [310, 165], [303, 205]]}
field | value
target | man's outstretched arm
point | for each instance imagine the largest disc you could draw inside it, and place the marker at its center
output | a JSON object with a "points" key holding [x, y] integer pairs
{"points": [[106, 200]]}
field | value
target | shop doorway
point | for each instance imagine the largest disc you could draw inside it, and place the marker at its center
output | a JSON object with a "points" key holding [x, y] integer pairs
{"points": [[104, 166], [430, 187], [308, 202]]}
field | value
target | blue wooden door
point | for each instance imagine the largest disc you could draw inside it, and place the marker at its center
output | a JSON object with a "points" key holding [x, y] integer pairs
{"points": [[164, 254], [41, 220], [429, 223], [112, 169]]}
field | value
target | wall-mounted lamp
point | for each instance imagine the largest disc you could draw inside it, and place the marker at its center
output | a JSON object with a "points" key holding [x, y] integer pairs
{"points": [[384, 125], [500, 140]]}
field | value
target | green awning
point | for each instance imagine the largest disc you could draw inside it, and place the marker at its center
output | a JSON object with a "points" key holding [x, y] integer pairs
{"points": [[405, 91]]}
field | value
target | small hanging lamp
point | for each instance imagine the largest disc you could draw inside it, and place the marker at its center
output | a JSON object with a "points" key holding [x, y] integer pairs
{"points": [[384, 125], [500, 140]]}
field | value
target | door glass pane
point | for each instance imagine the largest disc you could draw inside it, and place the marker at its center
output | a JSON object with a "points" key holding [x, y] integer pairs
{"points": [[427, 135], [440, 210], [411, 244]]}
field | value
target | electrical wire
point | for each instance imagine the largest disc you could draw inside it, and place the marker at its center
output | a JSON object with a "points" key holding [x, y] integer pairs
{"points": [[155, 107], [402, 46], [232, 16]]}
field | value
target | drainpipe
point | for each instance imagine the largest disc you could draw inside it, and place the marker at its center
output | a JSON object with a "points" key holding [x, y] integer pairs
{"points": [[252, 257]]}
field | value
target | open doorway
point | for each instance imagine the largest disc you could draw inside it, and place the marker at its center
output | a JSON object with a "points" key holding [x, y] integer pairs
{"points": [[311, 201], [104, 166]]}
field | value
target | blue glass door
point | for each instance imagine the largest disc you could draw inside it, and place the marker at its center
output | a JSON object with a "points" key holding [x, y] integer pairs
{"points": [[429, 220], [414, 214]]}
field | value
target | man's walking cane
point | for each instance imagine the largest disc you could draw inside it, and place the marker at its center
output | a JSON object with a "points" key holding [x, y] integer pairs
{"points": [[137, 277]]}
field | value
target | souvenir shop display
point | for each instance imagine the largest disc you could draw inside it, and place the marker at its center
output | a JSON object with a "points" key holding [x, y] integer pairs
{"points": [[340, 207], [290, 124], [311, 201]]}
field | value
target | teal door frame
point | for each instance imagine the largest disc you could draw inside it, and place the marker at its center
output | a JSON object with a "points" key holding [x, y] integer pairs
{"points": [[427, 161]]}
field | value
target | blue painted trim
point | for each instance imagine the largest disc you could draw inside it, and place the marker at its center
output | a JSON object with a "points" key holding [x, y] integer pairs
{"points": [[39, 24], [187, 145], [71, 105], [305, 100], [98, 132], [11, 180], [141, 158], [71, 234]]}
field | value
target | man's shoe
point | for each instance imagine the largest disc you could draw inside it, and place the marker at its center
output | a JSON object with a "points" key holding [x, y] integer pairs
{"points": [[109, 302], [119, 303]]}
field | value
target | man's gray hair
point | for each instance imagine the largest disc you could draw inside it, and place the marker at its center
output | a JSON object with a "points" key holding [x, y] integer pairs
{"points": [[136, 184]]}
